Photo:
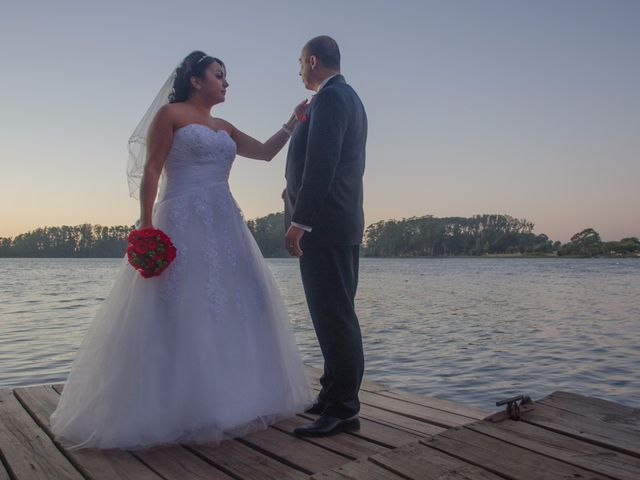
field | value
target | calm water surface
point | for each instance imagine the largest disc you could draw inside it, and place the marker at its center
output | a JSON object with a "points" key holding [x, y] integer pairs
{"points": [[470, 330]]}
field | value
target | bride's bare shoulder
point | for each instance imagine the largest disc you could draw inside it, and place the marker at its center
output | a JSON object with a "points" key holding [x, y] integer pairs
{"points": [[173, 110], [172, 114]]}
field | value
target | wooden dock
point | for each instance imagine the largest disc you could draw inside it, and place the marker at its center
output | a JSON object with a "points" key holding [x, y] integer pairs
{"points": [[402, 436]]}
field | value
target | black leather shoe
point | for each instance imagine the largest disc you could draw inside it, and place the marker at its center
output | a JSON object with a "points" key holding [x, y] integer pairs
{"points": [[326, 425], [316, 409]]}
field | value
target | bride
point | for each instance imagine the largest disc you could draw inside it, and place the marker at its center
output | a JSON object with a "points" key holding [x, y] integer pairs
{"points": [[204, 351]]}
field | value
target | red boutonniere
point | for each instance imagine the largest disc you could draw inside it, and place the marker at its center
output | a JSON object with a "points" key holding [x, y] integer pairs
{"points": [[150, 251], [304, 116]]}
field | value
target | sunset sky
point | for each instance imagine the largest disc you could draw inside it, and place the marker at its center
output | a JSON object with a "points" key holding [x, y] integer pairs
{"points": [[530, 109]]}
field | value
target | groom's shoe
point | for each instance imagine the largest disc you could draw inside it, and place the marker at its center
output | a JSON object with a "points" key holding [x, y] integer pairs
{"points": [[316, 409], [326, 425]]}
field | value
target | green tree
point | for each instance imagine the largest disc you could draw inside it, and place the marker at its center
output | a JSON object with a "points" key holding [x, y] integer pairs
{"points": [[585, 243], [269, 234]]}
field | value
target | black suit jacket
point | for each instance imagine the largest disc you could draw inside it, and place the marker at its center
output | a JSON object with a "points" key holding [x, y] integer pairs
{"points": [[325, 166]]}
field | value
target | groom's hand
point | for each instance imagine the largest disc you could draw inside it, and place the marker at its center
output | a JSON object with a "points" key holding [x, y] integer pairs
{"points": [[292, 241]]}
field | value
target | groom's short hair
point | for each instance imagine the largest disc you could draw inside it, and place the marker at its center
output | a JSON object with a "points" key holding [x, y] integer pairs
{"points": [[326, 51]]}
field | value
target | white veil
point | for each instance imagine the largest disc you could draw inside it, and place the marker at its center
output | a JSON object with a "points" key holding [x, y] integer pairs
{"points": [[138, 139]]}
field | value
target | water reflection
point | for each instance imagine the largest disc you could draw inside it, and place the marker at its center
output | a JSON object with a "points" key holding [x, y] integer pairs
{"points": [[470, 330]]}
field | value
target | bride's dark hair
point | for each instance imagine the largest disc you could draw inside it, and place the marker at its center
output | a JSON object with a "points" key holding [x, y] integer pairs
{"points": [[194, 65]]}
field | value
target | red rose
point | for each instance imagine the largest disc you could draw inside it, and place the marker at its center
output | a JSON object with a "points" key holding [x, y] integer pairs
{"points": [[150, 251]]}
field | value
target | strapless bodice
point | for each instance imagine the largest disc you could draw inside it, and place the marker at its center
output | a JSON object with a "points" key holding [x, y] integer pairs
{"points": [[199, 156]]}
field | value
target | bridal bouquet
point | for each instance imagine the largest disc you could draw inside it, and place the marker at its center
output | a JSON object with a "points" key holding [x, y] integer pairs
{"points": [[150, 251]]}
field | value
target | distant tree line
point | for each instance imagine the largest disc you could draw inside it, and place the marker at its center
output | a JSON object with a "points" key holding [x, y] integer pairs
{"points": [[79, 241], [431, 236], [426, 236], [587, 243]]}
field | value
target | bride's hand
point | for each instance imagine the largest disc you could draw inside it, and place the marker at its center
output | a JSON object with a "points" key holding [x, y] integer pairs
{"points": [[300, 108], [142, 225]]}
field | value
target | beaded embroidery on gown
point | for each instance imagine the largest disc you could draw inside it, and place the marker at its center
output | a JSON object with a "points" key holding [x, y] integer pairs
{"points": [[201, 353]]}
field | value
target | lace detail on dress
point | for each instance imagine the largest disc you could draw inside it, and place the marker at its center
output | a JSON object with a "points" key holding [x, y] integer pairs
{"points": [[202, 208], [215, 292], [178, 218]]}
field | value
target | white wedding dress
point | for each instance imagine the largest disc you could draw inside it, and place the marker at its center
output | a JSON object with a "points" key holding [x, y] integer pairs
{"points": [[201, 353]]}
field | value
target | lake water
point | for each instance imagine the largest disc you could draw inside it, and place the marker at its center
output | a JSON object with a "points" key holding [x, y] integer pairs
{"points": [[472, 330]]}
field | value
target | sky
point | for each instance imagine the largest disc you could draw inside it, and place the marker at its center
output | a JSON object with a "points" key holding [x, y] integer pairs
{"points": [[530, 109]]}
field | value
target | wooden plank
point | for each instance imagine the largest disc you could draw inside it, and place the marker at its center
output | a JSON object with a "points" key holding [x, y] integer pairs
{"points": [[417, 461], [42, 400], [396, 420], [177, 463], [302, 455], [358, 470], [502, 458], [567, 449], [345, 444], [609, 412], [401, 422], [424, 400], [241, 461], [378, 433], [414, 411], [462, 409], [615, 436], [111, 464], [27, 450], [4, 475]]}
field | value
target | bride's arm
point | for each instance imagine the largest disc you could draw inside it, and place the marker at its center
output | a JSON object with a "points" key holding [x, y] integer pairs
{"points": [[249, 147], [158, 146]]}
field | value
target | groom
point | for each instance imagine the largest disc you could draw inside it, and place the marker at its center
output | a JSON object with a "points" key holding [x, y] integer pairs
{"points": [[325, 220]]}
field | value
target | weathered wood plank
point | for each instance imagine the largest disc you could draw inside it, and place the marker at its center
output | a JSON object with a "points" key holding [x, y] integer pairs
{"points": [[42, 400], [419, 462], [396, 420], [412, 410], [424, 400], [561, 447], [241, 461], [27, 449], [358, 470], [590, 429], [304, 456], [4, 475], [608, 412], [503, 458], [111, 465], [345, 444], [177, 463], [461, 409], [384, 435]]}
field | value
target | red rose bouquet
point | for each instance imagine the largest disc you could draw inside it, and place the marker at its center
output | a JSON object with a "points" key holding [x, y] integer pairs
{"points": [[150, 251]]}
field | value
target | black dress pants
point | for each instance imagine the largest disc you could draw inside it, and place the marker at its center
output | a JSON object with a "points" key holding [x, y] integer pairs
{"points": [[330, 280]]}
